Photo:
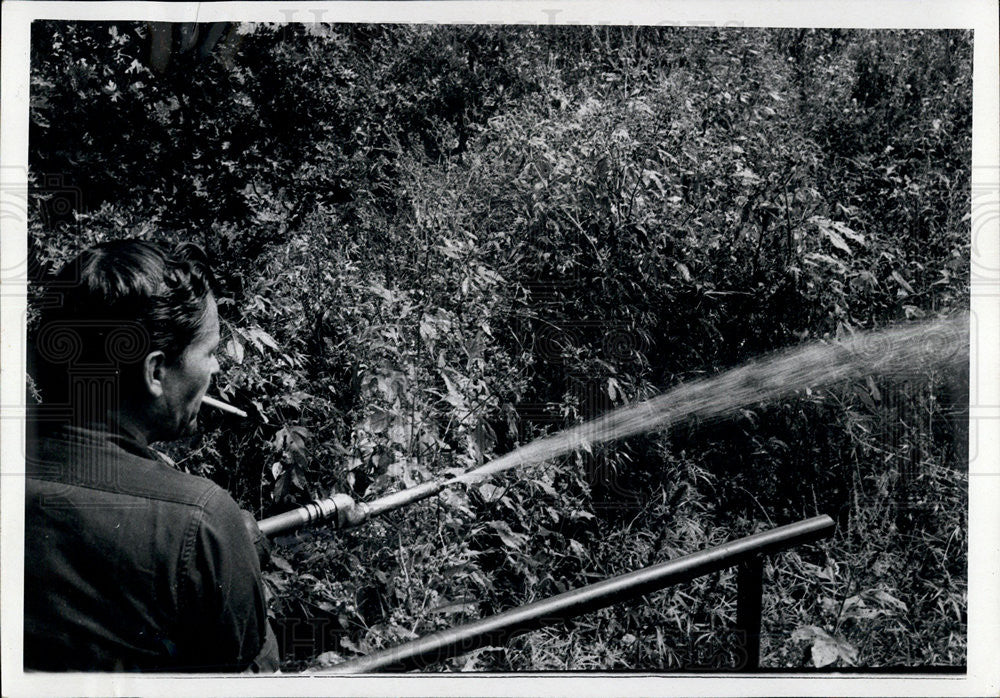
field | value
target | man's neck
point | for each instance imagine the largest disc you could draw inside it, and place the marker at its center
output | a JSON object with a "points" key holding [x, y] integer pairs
{"points": [[126, 421]]}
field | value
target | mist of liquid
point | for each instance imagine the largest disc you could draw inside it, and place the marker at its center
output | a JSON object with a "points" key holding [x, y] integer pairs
{"points": [[906, 351]]}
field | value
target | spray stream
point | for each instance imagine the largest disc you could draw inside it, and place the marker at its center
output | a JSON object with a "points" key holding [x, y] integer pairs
{"points": [[903, 351]]}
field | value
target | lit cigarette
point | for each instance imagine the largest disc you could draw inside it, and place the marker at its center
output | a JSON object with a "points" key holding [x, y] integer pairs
{"points": [[224, 406]]}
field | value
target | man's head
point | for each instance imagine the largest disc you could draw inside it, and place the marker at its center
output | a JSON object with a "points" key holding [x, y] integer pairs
{"points": [[131, 330]]}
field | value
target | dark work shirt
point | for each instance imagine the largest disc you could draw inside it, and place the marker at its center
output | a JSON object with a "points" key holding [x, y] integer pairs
{"points": [[131, 565]]}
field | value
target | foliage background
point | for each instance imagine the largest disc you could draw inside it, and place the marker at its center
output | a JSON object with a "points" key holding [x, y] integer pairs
{"points": [[437, 243]]}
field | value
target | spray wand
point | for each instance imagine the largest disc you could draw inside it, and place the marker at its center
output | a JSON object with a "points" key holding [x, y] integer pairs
{"points": [[899, 351], [343, 512], [339, 509]]}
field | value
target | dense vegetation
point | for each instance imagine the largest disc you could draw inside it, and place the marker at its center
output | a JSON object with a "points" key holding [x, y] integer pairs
{"points": [[437, 243]]}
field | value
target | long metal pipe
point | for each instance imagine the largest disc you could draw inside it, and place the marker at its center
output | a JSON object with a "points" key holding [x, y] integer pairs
{"points": [[343, 512], [496, 630]]}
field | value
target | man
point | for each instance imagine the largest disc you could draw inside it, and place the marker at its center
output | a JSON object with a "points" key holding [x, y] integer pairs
{"points": [[131, 565]]}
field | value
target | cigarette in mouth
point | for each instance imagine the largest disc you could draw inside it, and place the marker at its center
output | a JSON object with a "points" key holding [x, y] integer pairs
{"points": [[224, 406]]}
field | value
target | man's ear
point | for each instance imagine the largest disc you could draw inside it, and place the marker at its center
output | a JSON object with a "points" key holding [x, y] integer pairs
{"points": [[152, 372]]}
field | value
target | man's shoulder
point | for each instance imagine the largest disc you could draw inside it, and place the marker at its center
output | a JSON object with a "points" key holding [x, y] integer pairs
{"points": [[106, 466]]}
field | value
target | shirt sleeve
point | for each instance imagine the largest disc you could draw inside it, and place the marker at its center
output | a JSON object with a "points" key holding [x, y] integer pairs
{"points": [[226, 614], [267, 660]]}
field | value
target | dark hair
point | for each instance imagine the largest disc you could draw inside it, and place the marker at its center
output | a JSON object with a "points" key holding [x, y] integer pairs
{"points": [[113, 304]]}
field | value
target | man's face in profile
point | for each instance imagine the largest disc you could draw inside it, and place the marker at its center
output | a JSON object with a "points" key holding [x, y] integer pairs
{"points": [[186, 380]]}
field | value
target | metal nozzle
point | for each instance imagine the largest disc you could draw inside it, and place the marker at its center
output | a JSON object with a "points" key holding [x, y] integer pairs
{"points": [[344, 511], [403, 497], [339, 507]]}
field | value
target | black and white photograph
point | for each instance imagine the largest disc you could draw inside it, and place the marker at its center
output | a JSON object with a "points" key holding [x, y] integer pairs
{"points": [[352, 346]]}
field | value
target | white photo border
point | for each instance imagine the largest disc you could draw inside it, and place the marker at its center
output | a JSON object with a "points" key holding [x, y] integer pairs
{"points": [[983, 675]]}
